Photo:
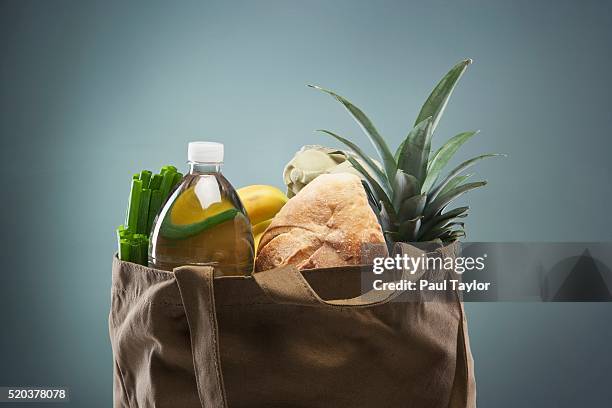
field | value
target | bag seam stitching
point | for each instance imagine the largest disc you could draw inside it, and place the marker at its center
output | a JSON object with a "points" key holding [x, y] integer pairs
{"points": [[215, 331]]}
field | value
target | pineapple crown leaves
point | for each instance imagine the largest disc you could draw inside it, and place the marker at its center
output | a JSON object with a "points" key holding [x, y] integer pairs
{"points": [[367, 126], [408, 189]]}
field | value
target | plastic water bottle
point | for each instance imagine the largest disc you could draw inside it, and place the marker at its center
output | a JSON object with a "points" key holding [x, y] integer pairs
{"points": [[203, 221]]}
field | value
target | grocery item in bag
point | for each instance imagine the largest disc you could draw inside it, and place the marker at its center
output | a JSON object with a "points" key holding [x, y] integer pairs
{"points": [[148, 193], [203, 222], [326, 224]]}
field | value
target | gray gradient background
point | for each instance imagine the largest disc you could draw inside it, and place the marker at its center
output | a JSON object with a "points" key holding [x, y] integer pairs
{"points": [[91, 92]]}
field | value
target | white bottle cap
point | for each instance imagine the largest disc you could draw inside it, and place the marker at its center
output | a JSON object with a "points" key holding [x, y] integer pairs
{"points": [[205, 152]]}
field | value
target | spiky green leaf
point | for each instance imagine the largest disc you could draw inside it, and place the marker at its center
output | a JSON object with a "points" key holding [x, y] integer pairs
{"points": [[412, 207], [435, 221], [405, 186], [378, 191], [409, 229], [438, 205], [388, 219], [371, 196], [442, 157], [437, 100], [438, 229], [414, 156], [452, 236], [443, 231], [368, 127], [371, 167], [463, 166], [457, 180]]}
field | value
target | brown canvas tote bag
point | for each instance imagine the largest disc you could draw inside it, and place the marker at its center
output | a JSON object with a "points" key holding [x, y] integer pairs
{"points": [[187, 339]]}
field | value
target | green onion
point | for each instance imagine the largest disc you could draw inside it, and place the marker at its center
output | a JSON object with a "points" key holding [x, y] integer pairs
{"points": [[177, 179], [134, 205], [155, 182], [167, 182], [124, 250], [142, 246], [143, 211], [168, 168], [145, 176], [147, 195], [154, 206]]}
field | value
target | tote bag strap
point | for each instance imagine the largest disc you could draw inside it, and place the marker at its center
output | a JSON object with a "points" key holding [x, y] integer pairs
{"points": [[196, 287], [288, 285]]}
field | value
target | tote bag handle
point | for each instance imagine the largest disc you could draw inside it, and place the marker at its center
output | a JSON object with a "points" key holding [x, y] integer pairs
{"points": [[195, 285], [288, 285]]}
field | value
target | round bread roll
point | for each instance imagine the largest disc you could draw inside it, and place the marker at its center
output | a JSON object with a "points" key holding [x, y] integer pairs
{"points": [[324, 225]]}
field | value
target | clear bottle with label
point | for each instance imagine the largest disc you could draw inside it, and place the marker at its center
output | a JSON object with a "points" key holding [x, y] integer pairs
{"points": [[203, 222]]}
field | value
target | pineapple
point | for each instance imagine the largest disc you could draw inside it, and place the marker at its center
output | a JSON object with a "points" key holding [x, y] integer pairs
{"points": [[411, 196]]}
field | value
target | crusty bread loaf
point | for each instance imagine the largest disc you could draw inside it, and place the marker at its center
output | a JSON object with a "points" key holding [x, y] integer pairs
{"points": [[324, 225]]}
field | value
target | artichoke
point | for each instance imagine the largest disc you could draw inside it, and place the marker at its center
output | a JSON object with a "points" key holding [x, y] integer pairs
{"points": [[311, 161]]}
